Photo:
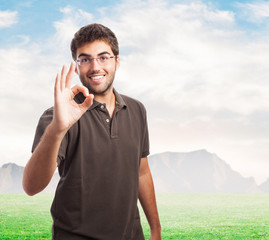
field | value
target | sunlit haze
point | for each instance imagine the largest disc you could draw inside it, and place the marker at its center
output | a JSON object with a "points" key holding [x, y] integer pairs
{"points": [[200, 67]]}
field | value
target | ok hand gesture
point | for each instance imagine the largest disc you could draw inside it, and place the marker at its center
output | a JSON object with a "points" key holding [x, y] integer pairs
{"points": [[66, 110]]}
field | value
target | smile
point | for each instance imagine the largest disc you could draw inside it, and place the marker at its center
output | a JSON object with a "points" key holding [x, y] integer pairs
{"points": [[96, 77]]}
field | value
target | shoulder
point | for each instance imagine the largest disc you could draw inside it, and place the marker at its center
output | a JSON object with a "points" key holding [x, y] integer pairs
{"points": [[45, 118], [48, 111], [47, 114], [133, 103], [135, 109]]}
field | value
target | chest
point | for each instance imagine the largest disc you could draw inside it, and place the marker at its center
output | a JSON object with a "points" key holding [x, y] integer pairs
{"points": [[100, 144]]}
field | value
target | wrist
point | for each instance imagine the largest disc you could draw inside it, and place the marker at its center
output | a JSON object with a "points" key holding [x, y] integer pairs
{"points": [[155, 234], [53, 132], [156, 230]]}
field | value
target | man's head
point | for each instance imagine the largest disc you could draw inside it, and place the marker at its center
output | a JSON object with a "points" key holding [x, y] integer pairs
{"points": [[95, 49], [91, 33]]}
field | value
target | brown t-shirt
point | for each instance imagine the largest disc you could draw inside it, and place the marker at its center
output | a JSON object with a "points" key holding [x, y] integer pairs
{"points": [[98, 162]]}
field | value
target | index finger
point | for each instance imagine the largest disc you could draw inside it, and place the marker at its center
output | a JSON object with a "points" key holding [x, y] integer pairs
{"points": [[70, 75]]}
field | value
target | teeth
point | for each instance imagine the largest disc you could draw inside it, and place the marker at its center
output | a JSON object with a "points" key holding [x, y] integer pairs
{"points": [[97, 77]]}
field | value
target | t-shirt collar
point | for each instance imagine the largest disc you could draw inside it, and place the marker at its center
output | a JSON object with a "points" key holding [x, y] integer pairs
{"points": [[79, 98]]}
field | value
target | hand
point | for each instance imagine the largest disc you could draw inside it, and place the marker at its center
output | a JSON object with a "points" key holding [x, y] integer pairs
{"points": [[66, 110]]}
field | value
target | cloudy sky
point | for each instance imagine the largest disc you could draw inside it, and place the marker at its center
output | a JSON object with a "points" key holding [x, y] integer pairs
{"points": [[200, 67]]}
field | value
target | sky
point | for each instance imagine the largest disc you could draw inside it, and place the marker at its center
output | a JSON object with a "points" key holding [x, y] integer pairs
{"points": [[200, 68]]}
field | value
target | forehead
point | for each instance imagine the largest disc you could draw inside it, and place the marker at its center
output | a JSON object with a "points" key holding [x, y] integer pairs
{"points": [[94, 48]]}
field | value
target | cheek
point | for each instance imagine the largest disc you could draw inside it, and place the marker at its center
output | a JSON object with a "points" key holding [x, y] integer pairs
{"points": [[112, 68], [108, 69], [81, 72]]}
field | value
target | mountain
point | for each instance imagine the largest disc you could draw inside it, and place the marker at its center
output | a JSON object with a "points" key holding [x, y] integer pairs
{"points": [[191, 172], [197, 172], [10, 176], [11, 179], [265, 186]]}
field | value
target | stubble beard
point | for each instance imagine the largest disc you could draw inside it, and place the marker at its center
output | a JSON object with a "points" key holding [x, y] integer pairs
{"points": [[94, 91]]}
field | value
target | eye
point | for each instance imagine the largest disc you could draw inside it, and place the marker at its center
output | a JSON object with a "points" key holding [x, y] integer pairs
{"points": [[84, 60], [103, 58]]}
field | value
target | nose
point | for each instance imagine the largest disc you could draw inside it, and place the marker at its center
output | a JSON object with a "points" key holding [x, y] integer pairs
{"points": [[95, 65]]}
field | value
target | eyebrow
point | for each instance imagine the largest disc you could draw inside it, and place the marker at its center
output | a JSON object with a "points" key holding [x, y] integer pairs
{"points": [[88, 55]]}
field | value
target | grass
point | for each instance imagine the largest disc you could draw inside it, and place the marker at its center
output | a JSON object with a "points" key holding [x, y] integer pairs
{"points": [[183, 216], [23, 217], [213, 216]]}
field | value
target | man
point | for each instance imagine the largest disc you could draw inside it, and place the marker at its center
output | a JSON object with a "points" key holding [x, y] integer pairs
{"points": [[99, 141]]}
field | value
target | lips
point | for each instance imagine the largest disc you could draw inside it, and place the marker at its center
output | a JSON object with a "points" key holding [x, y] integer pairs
{"points": [[97, 78]]}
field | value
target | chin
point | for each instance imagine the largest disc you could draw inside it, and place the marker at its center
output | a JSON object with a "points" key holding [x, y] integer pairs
{"points": [[99, 91]]}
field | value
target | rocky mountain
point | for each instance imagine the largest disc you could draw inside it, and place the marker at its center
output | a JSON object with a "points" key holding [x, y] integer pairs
{"points": [[265, 186], [10, 176], [11, 179], [191, 172], [197, 172]]}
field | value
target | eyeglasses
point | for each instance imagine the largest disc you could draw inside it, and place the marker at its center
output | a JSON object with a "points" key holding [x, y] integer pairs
{"points": [[85, 60]]}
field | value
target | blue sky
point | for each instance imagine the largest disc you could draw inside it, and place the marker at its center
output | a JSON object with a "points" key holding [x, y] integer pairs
{"points": [[201, 69], [35, 18]]}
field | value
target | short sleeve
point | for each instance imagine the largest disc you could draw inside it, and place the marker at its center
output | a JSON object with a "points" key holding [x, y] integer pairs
{"points": [[44, 121], [145, 140]]}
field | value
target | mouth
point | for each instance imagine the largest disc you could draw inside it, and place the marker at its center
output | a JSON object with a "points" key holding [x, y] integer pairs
{"points": [[96, 78]]}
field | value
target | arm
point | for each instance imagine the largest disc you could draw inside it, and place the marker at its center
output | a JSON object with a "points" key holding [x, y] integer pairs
{"points": [[148, 200], [43, 162]]}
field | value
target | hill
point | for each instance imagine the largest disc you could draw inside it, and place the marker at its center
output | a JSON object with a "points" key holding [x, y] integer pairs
{"points": [[265, 186], [190, 172], [11, 179], [197, 172]]}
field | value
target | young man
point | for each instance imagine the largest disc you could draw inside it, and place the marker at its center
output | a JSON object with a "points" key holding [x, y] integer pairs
{"points": [[99, 141]]}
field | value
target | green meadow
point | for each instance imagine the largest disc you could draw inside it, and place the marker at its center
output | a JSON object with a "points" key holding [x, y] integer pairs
{"points": [[183, 216]]}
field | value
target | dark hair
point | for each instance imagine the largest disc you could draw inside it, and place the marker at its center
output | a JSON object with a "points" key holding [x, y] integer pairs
{"points": [[91, 33]]}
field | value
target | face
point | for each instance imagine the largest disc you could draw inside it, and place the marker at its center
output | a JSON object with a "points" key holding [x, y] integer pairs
{"points": [[97, 77]]}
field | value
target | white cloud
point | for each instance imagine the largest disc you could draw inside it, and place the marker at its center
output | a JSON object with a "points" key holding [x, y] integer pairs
{"points": [[28, 73], [24, 40], [193, 57], [8, 18], [29, 69], [203, 80], [255, 12], [72, 20]]}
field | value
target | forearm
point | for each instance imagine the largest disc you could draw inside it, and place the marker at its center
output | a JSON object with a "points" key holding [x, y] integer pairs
{"points": [[148, 202], [41, 166], [43, 162]]}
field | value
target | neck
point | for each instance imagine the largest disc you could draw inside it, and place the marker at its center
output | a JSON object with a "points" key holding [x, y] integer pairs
{"points": [[107, 98]]}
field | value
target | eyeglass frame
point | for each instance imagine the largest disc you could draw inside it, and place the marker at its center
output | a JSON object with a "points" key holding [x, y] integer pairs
{"points": [[91, 59]]}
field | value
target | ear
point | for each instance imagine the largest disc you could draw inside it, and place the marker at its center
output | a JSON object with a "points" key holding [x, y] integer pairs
{"points": [[117, 62]]}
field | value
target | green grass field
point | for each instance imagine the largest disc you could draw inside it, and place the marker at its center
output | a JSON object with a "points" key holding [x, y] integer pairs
{"points": [[183, 216]]}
